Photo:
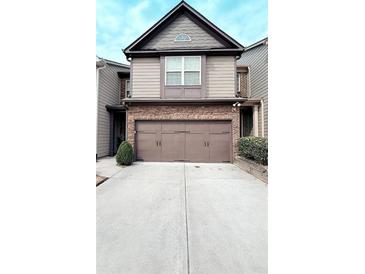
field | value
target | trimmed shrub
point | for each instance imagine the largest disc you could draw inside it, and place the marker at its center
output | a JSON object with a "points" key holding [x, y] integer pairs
{"points": [[125, 154], [254, 148]]}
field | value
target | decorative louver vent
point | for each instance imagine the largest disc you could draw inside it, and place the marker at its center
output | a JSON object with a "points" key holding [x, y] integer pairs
{"points": [[182, 37]]}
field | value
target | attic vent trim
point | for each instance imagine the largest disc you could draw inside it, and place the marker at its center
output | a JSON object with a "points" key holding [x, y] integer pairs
{"points": [[182, 37]]}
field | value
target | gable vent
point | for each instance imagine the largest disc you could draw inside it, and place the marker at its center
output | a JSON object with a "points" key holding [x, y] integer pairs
{"points": [[182, 37]]}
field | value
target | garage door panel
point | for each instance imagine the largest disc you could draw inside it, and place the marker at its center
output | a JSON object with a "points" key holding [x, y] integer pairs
{"points": [[173, 127], [197, 127], [219, 147], [148, 126], [220, 127], [147, 147], [173, 146], [195, 147]]}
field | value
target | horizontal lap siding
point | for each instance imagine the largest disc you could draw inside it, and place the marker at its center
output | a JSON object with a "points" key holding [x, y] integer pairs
{"points": [[220, 76], [108, 95], [146, 77], [257, 60], [199, 37]]}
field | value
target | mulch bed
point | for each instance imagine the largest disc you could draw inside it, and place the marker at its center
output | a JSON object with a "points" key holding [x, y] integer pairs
{"points": [[100, 179]]}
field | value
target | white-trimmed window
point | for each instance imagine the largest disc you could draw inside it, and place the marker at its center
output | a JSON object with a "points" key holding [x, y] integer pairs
{"points": [[127, 89], [183, 70], [238, 82], [182, 37]]}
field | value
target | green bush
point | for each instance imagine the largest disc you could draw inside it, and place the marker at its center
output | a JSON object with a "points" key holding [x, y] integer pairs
{"points": [[254, 148], [125, 154]]}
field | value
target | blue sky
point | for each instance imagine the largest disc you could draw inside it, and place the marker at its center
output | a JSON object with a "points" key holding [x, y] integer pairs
{"points": [[120, 22]]}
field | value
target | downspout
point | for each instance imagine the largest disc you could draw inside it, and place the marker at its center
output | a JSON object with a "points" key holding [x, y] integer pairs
{"points": [[97, 103]]}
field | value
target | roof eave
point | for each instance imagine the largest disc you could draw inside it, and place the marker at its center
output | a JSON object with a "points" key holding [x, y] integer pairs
{"points": [[234, 52], [182, 101], [258, 43]]}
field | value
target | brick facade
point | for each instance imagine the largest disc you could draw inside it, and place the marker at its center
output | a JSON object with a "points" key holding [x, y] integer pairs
{"points": [[212, 112]]}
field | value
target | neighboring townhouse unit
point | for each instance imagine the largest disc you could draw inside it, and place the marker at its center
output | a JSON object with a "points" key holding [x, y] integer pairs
{"points": [[112, 80], [254, 64]]}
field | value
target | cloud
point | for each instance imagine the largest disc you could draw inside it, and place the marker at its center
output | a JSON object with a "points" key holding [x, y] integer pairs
{"points": [[116, 24]]}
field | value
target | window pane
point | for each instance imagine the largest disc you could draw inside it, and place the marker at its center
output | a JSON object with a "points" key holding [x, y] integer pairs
{"points": [[182, 37], [173, 78], [192, 63], [238, 82], [191, 78], [173, 63]]}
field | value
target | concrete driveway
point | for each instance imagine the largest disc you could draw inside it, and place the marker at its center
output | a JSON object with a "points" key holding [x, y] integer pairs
{"points": [[182, 218]]}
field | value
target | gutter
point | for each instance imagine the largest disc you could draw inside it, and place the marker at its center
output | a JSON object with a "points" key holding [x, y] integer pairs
{"points": [[226, 51], [185, 101]]}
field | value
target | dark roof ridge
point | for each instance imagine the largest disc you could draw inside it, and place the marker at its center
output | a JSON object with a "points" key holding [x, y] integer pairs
{"points": [[263, 41], [108, 61]]}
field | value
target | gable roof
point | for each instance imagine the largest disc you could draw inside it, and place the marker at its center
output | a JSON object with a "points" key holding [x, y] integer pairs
{"points": [[258, 43], [101, 62], [231, 45]]}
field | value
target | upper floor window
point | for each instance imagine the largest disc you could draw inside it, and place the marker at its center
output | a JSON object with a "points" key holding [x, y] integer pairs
{"points": [[127, 88], [238, 82], [182, 37], [183, 70]]}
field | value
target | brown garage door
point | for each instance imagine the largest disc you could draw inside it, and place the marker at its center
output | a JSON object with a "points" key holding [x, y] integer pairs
{"points": [[192, 141]]}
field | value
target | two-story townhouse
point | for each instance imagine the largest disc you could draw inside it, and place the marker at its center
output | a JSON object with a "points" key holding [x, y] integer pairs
{"points": [[187, 92], [112, 80], [253, 82]]}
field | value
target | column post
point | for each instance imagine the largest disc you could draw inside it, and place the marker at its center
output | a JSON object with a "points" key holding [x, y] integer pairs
{"points": [[255, 120]]}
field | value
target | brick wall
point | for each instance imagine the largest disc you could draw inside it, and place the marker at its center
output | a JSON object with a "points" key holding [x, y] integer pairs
{"points": [[214, 112]]}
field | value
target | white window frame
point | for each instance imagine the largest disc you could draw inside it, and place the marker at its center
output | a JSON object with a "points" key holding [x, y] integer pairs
{"points": [[239, 81], [183, 40], [182, 71], [125, 88]]}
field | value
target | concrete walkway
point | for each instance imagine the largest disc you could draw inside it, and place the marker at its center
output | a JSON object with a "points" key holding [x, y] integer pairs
{"points": [[182, 218], [107, 167]]}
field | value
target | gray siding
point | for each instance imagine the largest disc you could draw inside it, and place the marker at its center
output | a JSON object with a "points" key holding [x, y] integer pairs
{"points": [[257, 60], [220, 76], [182, 24], [108, 94], [146, 77]]}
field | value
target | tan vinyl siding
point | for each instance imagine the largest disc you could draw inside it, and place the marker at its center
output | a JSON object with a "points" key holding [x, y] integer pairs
{"points": [[182, 24], [257, 60], [220, 76], [109, 85], [146, 77]]}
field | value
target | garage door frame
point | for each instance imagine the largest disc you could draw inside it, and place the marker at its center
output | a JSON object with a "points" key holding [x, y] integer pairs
{"points": [[187, 120]]}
